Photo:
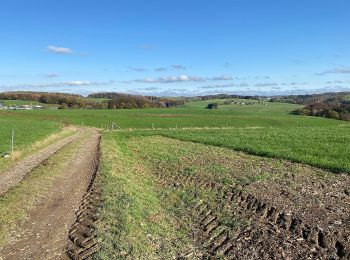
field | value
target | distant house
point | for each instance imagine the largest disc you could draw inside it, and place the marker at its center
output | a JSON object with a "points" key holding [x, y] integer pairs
{"points": [[37, 107]]}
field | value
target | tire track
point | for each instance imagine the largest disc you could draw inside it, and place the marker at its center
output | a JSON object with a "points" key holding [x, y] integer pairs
{"points": [[82, 242], [267, 222], [45, 233], [11, 177]]}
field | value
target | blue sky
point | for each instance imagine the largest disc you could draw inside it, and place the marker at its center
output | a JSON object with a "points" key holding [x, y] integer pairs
{"points": [[182, 47]]}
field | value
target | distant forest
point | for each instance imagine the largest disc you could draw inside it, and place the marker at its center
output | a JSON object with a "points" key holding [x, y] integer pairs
{"points": [[329, 105], [93, 101], [312, 98]]}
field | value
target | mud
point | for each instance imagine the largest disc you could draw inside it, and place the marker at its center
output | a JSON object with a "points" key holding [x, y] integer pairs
{"points": [[276, 222], [44, 235], [82, 242]]}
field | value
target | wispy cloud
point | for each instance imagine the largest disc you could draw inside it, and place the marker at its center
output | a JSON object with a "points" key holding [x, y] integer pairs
{"points": [[182, 78], [293, 83], [173, 79], [52, 75], [138, 69], [71, 83], [161, 69], [218, 86], [171, 67], [58, 50], [339, 70], [178, 67], [222, 77], [266, 84], [262, 77], [335, 82], [150, 88]]}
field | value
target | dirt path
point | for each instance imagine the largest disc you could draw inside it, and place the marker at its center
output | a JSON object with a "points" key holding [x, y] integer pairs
{"points": [[15, 174], [44, 235]]}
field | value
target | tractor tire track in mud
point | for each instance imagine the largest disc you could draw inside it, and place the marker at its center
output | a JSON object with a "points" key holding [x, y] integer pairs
{"points": [[60, 223], [271, 232], [82, 242]]}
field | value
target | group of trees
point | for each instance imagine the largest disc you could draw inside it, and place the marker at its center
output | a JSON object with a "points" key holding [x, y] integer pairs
{"points": [[225, 96], [130, 101], [311, 98], [329, 109], [63, 100], [125, 101], [212, 106], [94, 101]]}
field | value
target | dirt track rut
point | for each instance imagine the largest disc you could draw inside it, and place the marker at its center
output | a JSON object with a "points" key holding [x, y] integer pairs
{"points": [[44, 235], [15, 174]]}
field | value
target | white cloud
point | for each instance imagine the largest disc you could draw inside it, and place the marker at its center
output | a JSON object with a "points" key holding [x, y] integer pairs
{"points": [[173, 79], [75, 83], [59, 50], [182, 78]]}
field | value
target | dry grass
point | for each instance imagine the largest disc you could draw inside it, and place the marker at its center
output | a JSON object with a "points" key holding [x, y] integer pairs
{"points": [[38, 145]]}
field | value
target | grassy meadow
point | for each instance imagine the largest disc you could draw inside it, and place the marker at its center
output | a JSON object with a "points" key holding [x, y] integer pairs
{"points": [[265, 129], [141, 217], [191, 115], [27, 130]]}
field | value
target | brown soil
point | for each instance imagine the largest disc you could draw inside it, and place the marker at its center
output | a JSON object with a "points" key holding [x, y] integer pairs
{"points": [[45, 232], [15, 174], [303, 213]]}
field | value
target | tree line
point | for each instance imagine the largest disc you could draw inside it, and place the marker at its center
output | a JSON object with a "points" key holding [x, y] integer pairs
{"points": [[310, 98], [106, 100], [330, 109]]}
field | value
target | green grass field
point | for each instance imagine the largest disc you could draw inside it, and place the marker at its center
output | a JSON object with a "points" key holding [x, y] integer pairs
{"points": [[325, 147], [26, 130], [139, 217], [266, 130], [191, 115]]}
